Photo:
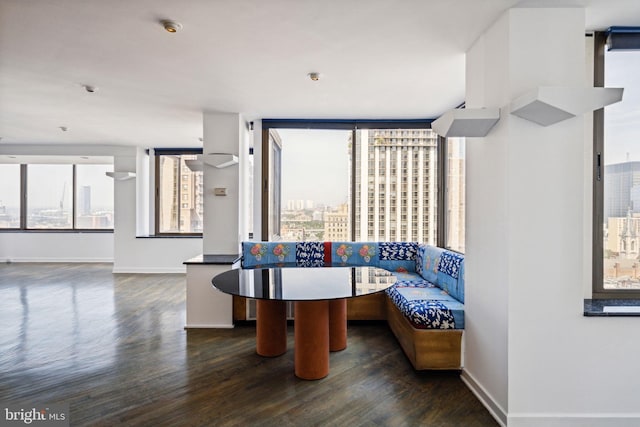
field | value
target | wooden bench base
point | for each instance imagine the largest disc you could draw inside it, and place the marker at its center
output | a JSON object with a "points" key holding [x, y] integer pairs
{"points": [[426, 348]]}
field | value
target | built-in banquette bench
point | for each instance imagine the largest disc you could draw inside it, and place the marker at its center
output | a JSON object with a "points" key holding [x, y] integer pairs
{"points": [[424, 308]]}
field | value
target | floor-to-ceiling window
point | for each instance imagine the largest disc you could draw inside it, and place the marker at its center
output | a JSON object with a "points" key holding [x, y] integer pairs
{"points": [[362, 181], [617, 168]]}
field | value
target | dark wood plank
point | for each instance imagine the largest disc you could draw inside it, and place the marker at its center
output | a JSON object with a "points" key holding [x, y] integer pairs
{"points": [[113, 346]]}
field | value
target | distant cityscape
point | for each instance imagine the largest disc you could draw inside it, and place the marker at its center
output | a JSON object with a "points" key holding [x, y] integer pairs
{"points": [[622, 226], [60, 216]]}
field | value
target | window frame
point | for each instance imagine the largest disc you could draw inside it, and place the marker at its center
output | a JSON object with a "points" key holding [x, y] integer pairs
{"points": [[354, 126], [598, 290], [158, 152], [23, 177]]}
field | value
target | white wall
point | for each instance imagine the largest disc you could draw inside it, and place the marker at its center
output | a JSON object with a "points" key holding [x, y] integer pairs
{"points": [[563, 368], [133, 254], [56, 247]]}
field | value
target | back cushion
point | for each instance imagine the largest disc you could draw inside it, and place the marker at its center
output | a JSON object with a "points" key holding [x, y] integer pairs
{"points": [[450, 268], [398, 256], [310, 254], [427, 262], [255, 254], [354, 253]]}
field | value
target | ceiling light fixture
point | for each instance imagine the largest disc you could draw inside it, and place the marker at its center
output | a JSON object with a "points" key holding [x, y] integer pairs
{"points": [[171, 26], [64, 128], [90, 89], [314, 76]]}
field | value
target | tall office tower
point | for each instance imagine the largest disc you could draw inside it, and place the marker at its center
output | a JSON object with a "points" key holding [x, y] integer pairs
{"points": [[619, 182], [455, 197], [84, 200], [396, 188]]}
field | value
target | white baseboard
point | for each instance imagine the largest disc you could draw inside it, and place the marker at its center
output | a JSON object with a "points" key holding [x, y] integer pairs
{"points": [[485, 398], [209, 326], [150, 270], [574, 420], [50, 259]]}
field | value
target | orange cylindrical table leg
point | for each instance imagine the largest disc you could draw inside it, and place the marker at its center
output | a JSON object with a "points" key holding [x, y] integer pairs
{"points": [[271, 328], [337, 324], [311, 348]]}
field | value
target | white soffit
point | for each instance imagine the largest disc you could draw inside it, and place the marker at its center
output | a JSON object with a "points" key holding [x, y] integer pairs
{"points": [[466, 122], [547, 105]]}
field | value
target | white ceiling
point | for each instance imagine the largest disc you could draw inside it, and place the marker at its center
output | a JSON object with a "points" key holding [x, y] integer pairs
{"points": [[391, 59]]}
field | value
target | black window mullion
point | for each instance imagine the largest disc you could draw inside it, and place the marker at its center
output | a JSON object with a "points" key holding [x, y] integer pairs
{"points": [[73, 196], [23, 197]]}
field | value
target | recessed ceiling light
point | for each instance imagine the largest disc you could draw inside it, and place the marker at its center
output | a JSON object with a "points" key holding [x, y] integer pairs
{"points": [[171, 26], [64, 128], [314, 76]]}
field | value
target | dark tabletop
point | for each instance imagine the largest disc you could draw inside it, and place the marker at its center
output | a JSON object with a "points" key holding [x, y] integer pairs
{"points": [[303, 283]]}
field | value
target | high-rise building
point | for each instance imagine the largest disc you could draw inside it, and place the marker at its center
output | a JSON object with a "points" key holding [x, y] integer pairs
{"points": [[396, 186], [336, 224], [619, 182], [84, 204]]}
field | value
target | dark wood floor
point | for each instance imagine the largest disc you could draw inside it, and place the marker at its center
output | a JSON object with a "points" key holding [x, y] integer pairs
{"points": [[113, 347]]}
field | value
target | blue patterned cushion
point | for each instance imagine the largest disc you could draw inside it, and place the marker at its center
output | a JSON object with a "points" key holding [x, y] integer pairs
{"points": [[437, 311], [427, 262], [254, 254], [398, 256], [310, 254], [450, 263], [263, 254], [354, 253], [448, 273]]}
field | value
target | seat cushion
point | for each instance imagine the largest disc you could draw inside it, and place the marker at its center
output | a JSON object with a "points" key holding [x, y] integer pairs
{"points": [[426, 306]]}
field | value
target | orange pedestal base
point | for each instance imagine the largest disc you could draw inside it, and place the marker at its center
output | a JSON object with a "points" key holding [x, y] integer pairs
{"points": [[337, 324], [271, 328], [311, 329]]}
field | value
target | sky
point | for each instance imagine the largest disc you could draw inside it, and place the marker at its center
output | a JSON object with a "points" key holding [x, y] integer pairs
{"points": [[315, 165], [622, 120]]}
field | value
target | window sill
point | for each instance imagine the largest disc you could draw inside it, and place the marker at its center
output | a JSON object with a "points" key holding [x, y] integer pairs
{"points": [[55, 230], [171, 236], [611, 308]]}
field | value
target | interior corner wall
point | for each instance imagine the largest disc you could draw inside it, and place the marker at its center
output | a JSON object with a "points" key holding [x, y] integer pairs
{"points": [[143, 254], [525, 242], [486, 245]]}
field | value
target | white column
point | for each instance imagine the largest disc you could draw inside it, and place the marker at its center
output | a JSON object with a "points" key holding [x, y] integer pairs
{"points": [[223, 133]]}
